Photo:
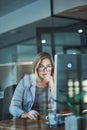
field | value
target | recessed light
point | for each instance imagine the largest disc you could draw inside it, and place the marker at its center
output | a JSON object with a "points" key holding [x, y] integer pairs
{"points": [[80, 30], [43, 41]]}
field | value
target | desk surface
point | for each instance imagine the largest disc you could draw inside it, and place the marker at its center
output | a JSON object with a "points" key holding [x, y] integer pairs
{"points": [[26, 124]]}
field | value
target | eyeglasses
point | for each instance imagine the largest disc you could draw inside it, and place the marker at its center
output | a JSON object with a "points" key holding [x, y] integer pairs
{"points": [[47, 68]]}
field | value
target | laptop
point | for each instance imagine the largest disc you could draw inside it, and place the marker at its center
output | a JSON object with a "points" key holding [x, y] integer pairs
{"points": [[68, 68]]}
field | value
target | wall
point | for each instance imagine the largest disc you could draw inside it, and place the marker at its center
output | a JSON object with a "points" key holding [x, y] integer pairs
{"points": [[7, 75]]}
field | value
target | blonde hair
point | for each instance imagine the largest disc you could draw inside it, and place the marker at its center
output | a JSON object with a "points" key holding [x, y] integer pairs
{"points": [[37, 60]]}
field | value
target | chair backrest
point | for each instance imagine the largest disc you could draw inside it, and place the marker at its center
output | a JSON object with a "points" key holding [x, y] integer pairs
{"points": [[8, 93]]}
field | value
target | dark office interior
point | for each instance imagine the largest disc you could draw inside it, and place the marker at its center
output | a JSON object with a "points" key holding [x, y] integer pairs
{"points": [[56, 31]]}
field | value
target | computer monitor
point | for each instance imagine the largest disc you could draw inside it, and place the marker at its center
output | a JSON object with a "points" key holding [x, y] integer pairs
{"points": [[68, 67]]}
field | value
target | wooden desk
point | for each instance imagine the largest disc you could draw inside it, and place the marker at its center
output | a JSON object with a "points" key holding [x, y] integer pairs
{"points": [[26, 124]]}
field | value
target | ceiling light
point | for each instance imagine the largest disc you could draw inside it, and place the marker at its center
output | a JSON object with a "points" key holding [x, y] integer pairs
{"points": [[43, 41], [80, 30]]}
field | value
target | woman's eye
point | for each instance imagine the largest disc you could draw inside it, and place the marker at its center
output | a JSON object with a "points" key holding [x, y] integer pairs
{"points": [[41, 66]]}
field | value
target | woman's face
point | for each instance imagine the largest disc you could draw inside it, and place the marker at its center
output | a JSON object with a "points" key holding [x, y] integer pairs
{"points": [[44, 68]]}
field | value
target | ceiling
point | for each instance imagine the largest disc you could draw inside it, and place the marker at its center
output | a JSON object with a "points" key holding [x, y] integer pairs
{"points": [[28, 32], [7, 6], [79, 12]]}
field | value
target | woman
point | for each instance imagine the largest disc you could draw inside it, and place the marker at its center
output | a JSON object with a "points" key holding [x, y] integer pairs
{"points": [[31, 95]]}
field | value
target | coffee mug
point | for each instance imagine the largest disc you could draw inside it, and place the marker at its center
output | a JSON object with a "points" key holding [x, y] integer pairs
{"points": [[51, 120], [59, 119]]}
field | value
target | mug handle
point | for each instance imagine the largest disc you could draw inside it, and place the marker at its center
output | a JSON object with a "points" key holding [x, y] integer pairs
{"points": [[46, 117]]}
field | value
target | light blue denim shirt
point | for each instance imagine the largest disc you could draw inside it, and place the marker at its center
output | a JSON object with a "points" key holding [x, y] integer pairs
{"points": [[24, 96]]}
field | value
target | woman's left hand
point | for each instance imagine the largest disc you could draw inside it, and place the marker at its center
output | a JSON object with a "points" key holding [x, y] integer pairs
{"points": [[49, 79]]}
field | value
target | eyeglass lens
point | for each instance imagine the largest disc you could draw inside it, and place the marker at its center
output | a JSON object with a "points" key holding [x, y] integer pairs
{"points": [[47, 68]]}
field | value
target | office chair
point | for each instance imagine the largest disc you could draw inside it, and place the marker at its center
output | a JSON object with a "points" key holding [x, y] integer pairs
{"points": [[8, 93]]}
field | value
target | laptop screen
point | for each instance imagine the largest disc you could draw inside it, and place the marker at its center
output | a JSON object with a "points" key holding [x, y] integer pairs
{"points": [[68, 68]]}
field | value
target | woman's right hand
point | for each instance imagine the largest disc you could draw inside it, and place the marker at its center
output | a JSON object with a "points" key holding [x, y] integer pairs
{"points": [[31, 114]]}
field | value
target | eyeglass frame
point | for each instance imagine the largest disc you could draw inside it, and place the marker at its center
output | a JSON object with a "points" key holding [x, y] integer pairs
{"points": [[44, 68]]}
